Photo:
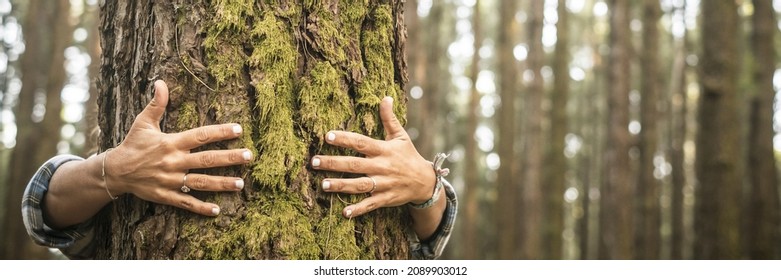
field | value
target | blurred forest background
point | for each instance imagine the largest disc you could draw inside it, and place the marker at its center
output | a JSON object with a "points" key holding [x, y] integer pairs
{"points": [[579, 129]]}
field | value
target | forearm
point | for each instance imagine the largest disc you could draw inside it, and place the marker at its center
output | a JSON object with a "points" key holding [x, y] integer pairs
{"points": [[77, 192], [426, 221]]}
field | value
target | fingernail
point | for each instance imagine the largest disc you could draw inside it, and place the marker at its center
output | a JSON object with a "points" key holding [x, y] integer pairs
{"points": [[330, 136], [326, 184], [247, 155], [388, 99], [216, 211], [239, 184], [316, 162], [348, 212], [237, 129]]}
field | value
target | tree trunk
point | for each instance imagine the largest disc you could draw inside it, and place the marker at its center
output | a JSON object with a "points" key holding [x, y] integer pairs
{"points": [[648, 237], [616, 211], [532, 205], [763, 216], [677, 105], [47, 33], [719, 157], [471, 159], [507, 224], [555, 178], [288, 72]]}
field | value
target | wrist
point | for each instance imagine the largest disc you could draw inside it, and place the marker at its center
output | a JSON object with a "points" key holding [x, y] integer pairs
{"points": [[439, 172]]}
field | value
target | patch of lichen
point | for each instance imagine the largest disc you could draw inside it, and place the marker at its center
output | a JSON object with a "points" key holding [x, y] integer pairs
{"points": [[273, 64], [324, 103], [279, 227], [188, 115], [376, 45], [336, 236]]}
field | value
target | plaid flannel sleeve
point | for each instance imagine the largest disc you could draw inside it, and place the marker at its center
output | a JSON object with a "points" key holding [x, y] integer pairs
{"points": [[432, 248], [71, 241]]}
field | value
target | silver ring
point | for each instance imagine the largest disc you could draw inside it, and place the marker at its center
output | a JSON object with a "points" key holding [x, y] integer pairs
{"points": [[374, 185], [185, 188]]}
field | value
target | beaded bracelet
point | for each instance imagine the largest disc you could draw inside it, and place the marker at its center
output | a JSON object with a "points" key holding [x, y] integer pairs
{"points": [[439, 172]]}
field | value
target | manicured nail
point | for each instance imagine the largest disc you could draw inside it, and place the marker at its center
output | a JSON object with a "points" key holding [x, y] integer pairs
{"points": [[247, 155], [348, 212], [316, 162], [239, 184], [326, 184], [216, 211], [330, 136], [237, 129]]}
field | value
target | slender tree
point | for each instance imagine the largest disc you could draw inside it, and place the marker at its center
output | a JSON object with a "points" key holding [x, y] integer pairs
{"points": [[648, 237], [677, 104], [534, 138], [507, 223], [47, 33], [719, 156], [763, 213], [471, 158], [555, 183], [616, 200], [288, 72]]}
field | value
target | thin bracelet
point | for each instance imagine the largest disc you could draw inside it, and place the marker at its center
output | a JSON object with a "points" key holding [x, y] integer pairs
{"points": [[103, 173], [439, 172]]}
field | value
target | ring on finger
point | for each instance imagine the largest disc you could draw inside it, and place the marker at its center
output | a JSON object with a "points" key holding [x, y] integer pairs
{"points": [[374, 184], [185, 188]]}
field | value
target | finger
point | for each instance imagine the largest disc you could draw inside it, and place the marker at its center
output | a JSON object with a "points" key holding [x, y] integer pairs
{"points": [[156, 108], [219, 158], [355, 165], [202, 182], [197, 137], [351, 186], [393, 128], [357, 142], [364, 206], [191, 204]]}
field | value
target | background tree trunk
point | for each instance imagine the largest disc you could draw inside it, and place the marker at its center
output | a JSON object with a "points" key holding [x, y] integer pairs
{"points": [[532, 204], [555, 173], [616, 211], [47, 33], [719, 149], [648, 237], [471, 158], [763, 216], [507, 224], [287, 72]]}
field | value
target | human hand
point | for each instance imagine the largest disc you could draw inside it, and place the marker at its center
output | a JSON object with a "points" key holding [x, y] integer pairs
{"points": [[395, 172], [154, 165]]}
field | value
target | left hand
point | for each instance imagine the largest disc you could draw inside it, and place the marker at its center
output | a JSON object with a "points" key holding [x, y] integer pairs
{"points": [[401, 174]]}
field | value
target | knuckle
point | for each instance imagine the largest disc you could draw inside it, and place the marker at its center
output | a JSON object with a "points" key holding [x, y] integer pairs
{"points": [[360, 144], [199, 182], [186, 204], [354, 165], [363, 186], [202, 135], [370, 206], [226, 131], [235, 157], [207, 159]]}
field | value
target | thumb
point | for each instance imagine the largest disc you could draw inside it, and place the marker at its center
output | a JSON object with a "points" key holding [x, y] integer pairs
{"points": [[156, 108], [393, 128]]}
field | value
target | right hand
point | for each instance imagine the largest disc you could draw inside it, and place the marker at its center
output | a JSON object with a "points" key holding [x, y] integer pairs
{"points": [[152, 165]]}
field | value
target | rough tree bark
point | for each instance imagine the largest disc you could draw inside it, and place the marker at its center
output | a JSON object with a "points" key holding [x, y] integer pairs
{"points": [[288, 72], [47, 33]]}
